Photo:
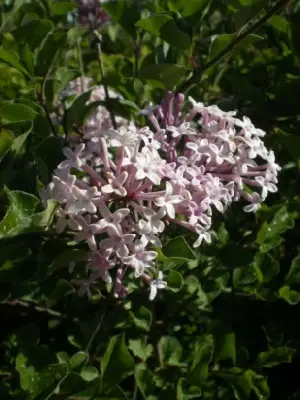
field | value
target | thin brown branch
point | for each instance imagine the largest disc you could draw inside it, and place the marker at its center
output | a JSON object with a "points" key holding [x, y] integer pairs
{"points": [[107, 97], [239, 37], [32, 306]]}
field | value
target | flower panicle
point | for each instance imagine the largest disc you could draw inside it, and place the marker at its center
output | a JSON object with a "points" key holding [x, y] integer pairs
{"points": [[136, 182]]}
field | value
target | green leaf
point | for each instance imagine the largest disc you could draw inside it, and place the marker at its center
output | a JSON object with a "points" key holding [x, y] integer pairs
{"points": [[140, 348], [220, 42], [61, 8], [189, 8], [170, 351], [64, 259], [168, 74], [290, 296], [13, 112], [40, 27], [125, 13], [35, 381], [27, 58], [248, 11], [239, 383], [164, 26], [49, 155], [62, 77], [63, 357], [268, 266], [143, 318], [273, 357], [174, 281], [145, 380], [280, 23], [75, 112], [178, 249], [293, 276], [116, 364], [49, 51], [44, 218], [12, 58], [186, 393], [225, 347], [202, 357], [19, 141], [268, 236], [78, 359], [258, 384], [244, 276], [17, 219], [6, 141], [89, 373]]}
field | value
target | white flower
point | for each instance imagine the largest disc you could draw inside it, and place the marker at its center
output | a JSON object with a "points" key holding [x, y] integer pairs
{"points": [[156, 284], [116, 185], [166, 202], [141, 258], [147, 166]]}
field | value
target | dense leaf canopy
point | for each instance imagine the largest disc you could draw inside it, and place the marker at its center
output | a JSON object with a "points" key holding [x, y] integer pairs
{"points": [[227, 325]]}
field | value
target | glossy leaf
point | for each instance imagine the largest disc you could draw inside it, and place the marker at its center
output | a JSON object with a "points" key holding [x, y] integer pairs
{"points": [[89, 373], [289, 295], [78, 359], [170, 351], [220, 42], [40, 27], [226, 347], [14, 112], [164, 26], [293, 276], [273, 357], [62, 8], [18, 217], [6, 141], [140, 348], [117, 363], [145, 381], [168, 74], [49, 51], [174, 281], [186, 393], [202, 356], [178, 248], [75, 113], [12, 58], [143, 318]]}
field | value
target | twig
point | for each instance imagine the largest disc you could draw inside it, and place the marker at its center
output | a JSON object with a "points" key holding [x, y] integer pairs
{"points": [[42, 100], [81, 66], [237, 40], [137, 46], [32, 306], [96, 331], [107, 97]]}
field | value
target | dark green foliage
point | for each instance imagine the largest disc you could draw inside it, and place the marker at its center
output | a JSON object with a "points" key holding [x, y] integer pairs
{"points": [[227, 326]]}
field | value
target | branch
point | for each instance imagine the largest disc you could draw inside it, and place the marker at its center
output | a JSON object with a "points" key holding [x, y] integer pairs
{"points": [[107, 97], [241, 35], [32, 306]]}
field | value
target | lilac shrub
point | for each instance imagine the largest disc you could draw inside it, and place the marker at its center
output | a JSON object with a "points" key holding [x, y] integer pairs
{"points": [[119, 190]]}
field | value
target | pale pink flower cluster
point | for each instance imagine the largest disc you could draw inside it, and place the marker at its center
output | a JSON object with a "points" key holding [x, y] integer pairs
{"points": [[134, 183], [90, 13]]}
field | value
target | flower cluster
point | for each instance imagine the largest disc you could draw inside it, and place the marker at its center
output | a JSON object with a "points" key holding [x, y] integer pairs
{"points": [[135, 182], [90, 13]]}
